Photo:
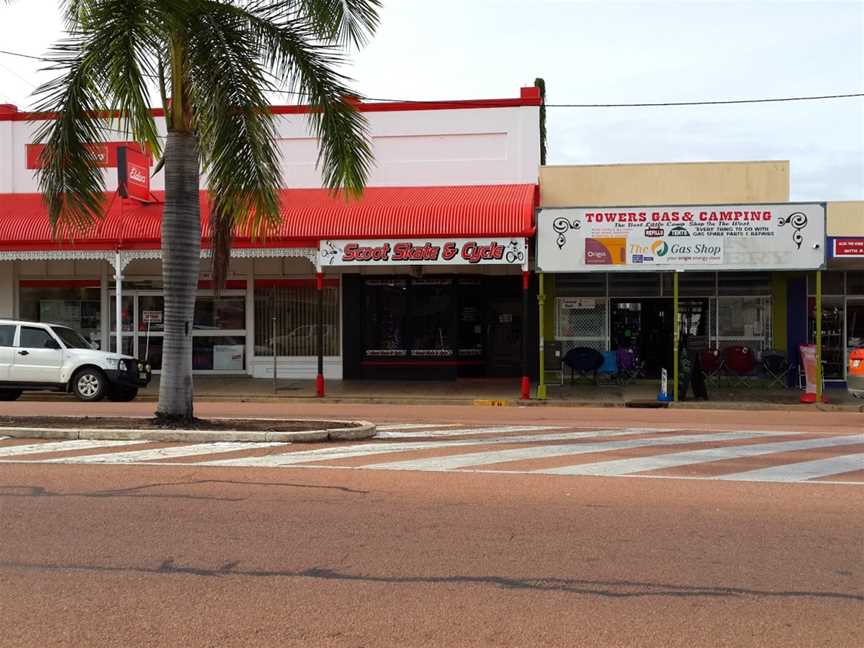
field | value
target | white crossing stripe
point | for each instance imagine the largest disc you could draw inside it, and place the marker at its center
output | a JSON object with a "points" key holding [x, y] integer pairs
{"points": [[802, 471], [166, 453], [327, 454], [61, 446], [466, 431], [415, 426], [540, 452], [674, 460]]}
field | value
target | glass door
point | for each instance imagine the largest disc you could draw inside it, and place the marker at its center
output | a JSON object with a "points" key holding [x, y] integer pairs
{"points": [[854, 326]]}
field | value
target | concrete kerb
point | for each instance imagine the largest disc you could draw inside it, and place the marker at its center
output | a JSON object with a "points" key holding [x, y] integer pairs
{"points": [[352, 431]]}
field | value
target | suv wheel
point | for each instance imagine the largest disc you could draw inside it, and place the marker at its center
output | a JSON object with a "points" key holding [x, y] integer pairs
{"points": [[122, 394], [9, 394], [89, 385]]}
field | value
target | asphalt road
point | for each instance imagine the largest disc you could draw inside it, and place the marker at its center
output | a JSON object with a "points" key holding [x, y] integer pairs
{"points": [[186, 555]]}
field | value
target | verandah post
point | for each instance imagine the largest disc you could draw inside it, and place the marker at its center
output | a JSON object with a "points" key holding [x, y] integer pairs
{"points": [[319, 379], [541, 301], [818, 336], [526, 380], [675, 336]]}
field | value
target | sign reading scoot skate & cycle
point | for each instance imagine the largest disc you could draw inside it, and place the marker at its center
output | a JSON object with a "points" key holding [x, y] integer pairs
{"points": [[787, 236], [395, 252]]}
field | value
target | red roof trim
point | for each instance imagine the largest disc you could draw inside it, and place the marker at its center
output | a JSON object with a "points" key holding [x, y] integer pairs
{"points": [[528, 97]]}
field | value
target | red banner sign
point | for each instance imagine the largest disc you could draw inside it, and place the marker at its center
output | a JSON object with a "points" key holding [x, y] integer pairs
{"points": [[105, 154], [849, 247], [133, 174]]}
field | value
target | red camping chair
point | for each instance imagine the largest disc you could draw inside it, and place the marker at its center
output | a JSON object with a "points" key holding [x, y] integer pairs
{"points": [[712, 363], [739, 363]]}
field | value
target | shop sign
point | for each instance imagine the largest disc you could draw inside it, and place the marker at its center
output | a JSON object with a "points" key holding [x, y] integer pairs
{"points": [[396, 252], [133, 174], [577, 303], [151, 316], [104, 154], [847, 248], [685, 237]]}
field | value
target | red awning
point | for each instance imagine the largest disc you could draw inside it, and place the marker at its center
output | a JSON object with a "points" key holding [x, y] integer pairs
{"points": [[308, 216]]}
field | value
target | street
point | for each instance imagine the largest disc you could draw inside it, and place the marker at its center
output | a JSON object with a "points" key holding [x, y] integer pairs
{"points": [[460, 526]]}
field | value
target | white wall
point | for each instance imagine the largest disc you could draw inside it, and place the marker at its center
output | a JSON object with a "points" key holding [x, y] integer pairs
{"points": [[457, 146]]}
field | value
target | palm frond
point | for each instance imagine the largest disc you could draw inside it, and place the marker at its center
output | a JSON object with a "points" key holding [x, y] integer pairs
{"points": [[340, 22], [293, 56]]}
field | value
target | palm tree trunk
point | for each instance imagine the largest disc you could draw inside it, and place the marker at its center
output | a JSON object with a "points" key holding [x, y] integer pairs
{"points": [[181, 254]]}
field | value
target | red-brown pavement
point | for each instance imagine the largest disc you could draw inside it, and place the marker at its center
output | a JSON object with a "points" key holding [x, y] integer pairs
{"points": [[184, 555]]}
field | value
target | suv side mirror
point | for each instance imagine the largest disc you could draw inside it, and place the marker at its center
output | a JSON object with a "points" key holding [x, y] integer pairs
{"points": [[52, 344]]}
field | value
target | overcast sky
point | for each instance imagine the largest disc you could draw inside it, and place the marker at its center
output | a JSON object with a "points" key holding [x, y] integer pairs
{"points": [[604, 52]]}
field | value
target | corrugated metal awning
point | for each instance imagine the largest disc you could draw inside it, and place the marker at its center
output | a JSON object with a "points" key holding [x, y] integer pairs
{"points": [[308, 216]]}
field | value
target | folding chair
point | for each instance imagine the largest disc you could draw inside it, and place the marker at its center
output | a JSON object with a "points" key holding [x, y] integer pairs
{"points": [[610, 366], [712, 363], [629, 366], [776, 368], [739, 363], [584, 361]]}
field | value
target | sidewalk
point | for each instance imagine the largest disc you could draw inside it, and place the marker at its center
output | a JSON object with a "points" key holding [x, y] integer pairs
{"points": [[491, 392]]}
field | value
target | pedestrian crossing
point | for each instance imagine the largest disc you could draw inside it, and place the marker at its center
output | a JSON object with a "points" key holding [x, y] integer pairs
{"points": [[773, 456]]}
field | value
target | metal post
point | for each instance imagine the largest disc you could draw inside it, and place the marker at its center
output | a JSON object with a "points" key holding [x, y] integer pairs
{"points": [[541, 302], [118, 307], [675, 336], [818, 336], [319, 379], [273, 335], [525, 392]]}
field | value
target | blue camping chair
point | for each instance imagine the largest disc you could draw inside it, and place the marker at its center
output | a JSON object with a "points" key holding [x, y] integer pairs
{"points": [[584, 361]]}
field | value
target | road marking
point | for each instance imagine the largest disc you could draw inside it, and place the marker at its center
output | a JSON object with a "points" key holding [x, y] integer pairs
{"points": [[327, 454], [466, 431], [415, 426], [677, 459], [803, 470], [165, 453], [540, 452], [61, 446]]}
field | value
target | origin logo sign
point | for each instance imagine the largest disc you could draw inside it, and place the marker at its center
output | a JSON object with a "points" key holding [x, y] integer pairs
{"points": [[605, 251]]}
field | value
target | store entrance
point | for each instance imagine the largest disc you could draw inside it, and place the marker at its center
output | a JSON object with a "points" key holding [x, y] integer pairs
{"points": [[646, 326]]}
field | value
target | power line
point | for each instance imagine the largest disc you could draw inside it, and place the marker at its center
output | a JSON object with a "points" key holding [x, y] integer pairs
{"points": [[656, 104]]}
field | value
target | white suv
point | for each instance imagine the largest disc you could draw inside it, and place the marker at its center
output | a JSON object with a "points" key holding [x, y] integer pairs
{"points": [[37, 356]]}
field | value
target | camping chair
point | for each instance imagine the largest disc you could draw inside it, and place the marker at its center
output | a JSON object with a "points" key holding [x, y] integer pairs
{"points": [[610, 366], [776, 368], [629, 367], [712, 363], [584, 361], [739, 363]]}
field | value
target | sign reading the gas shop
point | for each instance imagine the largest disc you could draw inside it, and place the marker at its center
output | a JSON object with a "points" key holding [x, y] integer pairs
{"points": [[787, 236], [395, 252]]}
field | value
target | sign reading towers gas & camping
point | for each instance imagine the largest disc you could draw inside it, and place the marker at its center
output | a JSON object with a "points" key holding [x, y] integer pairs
{"points": [[789, 236]]}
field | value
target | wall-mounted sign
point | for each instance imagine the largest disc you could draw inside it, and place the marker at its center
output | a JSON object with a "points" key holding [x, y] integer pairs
{"points": [[685, 237], [105, 153], [847, 248], [577, 303], [133, 174], [395, 252]]}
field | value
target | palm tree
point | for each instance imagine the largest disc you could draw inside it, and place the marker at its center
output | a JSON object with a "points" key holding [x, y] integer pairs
{"points": [[213, 62]]}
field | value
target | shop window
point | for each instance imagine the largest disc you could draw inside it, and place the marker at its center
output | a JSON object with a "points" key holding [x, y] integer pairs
{"points": [[218, 353], [385, 332], [429, 319], [833, 342], [75, 307], [855, 282], [696, 284], [587, 284], [634, 284], [832, 283], [854, 326], [471, 319], [744, 283], [226, 313], [127, 312], [128, 345], [744, 321], [581, 321], [286, 317], [7, 335]]}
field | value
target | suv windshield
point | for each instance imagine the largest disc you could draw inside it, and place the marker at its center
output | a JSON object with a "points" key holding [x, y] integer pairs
{"points": [[72, 339]]}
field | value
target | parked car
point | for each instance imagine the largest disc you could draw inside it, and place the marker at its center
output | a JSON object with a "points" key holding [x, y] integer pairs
{"points": [[39, 356]]}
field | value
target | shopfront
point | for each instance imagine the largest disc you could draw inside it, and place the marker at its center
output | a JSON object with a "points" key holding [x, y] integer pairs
{"points": [[619, 276]]}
